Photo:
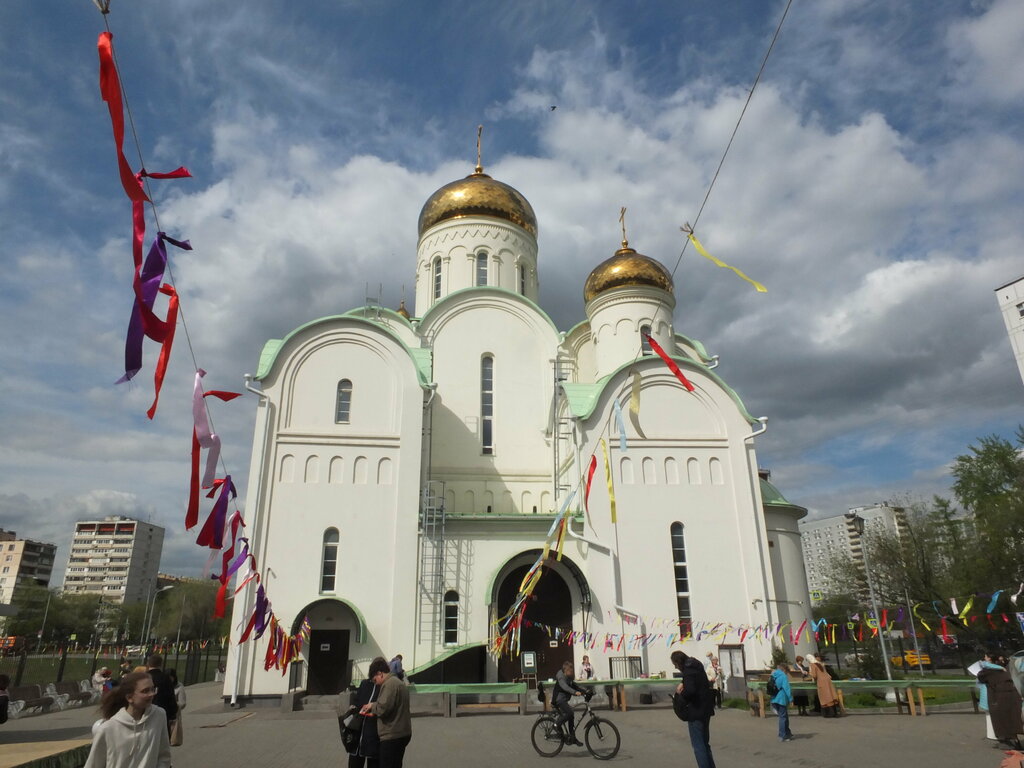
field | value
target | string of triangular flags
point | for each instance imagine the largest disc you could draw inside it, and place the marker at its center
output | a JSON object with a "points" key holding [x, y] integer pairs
{"points": [[220, 532]]}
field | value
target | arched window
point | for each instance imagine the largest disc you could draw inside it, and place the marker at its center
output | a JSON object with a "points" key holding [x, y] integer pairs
{"points": [[481, 268], [645, 339], [343, 407], [522, 279], [681, 577], [451, 617], [329, 564], [487, 405], [437, 277]]}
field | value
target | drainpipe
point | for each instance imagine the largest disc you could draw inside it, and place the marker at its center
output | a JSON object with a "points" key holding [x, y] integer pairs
{"points": [[763, 428], [259, 489], [762, 533]]}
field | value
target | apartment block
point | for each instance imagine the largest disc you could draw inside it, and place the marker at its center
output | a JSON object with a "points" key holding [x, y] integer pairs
{"points": [[116, 558], [1011, 304], [23, 561], [822, 540]]}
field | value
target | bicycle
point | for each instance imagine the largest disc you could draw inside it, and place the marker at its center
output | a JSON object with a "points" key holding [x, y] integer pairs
{"points": [[600, 736]]}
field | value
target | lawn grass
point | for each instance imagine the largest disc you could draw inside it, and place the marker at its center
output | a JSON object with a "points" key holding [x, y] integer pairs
{"points": [[43, 669]]}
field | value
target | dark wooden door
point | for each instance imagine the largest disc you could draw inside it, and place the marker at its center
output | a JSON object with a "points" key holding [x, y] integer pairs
{"points": [[549, 607], [328, 662]]}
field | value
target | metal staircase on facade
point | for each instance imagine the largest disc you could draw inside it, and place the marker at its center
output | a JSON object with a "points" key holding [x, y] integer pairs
{"points": [[432, 560]]}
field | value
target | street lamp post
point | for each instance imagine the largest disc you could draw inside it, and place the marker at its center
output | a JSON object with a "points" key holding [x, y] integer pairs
{"points": [[181, 616], [860, 523], [148, 624]]}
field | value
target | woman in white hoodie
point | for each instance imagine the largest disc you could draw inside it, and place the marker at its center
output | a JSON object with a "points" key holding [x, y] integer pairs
{"points": [[133, 733]]}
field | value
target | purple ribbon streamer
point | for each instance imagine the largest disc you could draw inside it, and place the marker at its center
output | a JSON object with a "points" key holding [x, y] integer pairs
{"points": [[212, 535], [150, 278], [261, 612]]}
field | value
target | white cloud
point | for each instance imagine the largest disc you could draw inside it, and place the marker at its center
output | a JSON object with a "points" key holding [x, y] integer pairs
{"points": [[989, 50]]}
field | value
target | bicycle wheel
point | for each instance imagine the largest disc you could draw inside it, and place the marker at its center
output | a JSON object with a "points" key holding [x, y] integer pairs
{"points": [[602, 738], [547, 736]]}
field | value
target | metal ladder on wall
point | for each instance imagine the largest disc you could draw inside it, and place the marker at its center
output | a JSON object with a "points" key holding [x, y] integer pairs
{"points": [[432, 559], [561, 442]]}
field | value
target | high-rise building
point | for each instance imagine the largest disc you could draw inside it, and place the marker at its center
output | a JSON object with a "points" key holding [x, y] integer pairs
{"points": [[824, 539], [23, 561], [1011, 302], [116, 558]]}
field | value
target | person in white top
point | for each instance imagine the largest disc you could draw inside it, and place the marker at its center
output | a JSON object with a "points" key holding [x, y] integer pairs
{"points": [[134, 732]]}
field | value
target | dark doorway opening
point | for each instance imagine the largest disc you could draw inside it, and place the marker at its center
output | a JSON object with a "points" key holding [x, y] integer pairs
{"points": [[329, 669], [466, 666], [550, 605]]}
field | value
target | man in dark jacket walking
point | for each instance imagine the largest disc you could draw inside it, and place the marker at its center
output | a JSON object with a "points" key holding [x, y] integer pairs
{"points": [[165, 698], [700, 699]]}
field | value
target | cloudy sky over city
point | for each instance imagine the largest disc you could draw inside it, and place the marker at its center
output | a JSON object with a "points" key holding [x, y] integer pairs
{"points": [[874, 186]]}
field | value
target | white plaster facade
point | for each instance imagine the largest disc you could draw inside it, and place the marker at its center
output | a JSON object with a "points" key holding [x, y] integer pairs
{"points": [[416, 434]]}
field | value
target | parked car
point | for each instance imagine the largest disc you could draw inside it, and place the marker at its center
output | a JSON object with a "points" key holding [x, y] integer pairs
{"points": [[911, 658]]}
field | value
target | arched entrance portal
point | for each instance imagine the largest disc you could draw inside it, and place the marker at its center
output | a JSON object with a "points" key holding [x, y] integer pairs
{"points": [[334, 626], [551, 605]]}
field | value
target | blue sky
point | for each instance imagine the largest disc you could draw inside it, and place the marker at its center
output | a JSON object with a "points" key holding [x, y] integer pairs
{"points": [[875, 186]]}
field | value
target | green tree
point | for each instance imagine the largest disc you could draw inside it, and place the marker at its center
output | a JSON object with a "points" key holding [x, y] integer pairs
{"points": [[989, 484], [192, 604]]}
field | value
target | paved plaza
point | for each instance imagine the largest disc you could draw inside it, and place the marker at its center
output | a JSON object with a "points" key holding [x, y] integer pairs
{"points": [[652, 736]]}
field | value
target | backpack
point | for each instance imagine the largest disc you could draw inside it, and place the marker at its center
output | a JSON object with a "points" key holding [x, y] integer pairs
{"points": [[681, 707], [772, 688]]}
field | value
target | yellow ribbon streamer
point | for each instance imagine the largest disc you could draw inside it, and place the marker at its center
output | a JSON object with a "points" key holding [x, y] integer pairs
{"points": [[608, 477], [967, 609], [918, 615], [634, 404], [718, 262]]}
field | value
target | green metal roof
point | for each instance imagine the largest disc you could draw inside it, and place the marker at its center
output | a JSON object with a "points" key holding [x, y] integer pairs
{"points": [[583, 397], [421, 358], [772, 497]]}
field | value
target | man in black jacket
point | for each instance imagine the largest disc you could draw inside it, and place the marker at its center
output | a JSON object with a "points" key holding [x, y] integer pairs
{"points": [[165, 698], [696, 691]]}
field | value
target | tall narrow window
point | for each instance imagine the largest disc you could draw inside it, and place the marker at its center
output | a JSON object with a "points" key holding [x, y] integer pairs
{"points": [[645, 339], [343, 407], [487, 405], [437, 278], [481, 268], [522, 279], [329, 564], [681, 577], [451, 617]]}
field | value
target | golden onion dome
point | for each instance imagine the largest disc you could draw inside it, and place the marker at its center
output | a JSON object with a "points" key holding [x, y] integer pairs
{"points": [[478, 195], [626, 267], [402, 310]]}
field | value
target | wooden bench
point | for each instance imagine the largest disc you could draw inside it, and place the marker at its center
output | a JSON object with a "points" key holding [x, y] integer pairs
{"points": [[756, 692], [67, 692], [515, 692], [26, 697], [918, 686]]}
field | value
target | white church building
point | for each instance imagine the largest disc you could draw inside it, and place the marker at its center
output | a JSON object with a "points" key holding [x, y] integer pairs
{"points": [[406, 470]]}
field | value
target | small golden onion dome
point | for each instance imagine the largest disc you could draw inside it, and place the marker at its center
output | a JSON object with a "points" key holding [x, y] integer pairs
{"points": [[478, 195], [626, 267], [402, 310]]}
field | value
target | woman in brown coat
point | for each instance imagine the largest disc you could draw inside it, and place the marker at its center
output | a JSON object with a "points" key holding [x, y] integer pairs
{"points": [[827, 695], [1003, 701]]}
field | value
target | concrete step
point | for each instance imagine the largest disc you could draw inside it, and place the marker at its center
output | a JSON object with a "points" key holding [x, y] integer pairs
{"points": [[321, 703]]}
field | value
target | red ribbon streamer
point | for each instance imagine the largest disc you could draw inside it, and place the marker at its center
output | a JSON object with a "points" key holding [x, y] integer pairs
{"points": [[110, 90], [590, 478], [192, 513], [165, 349], [670, 363]]}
